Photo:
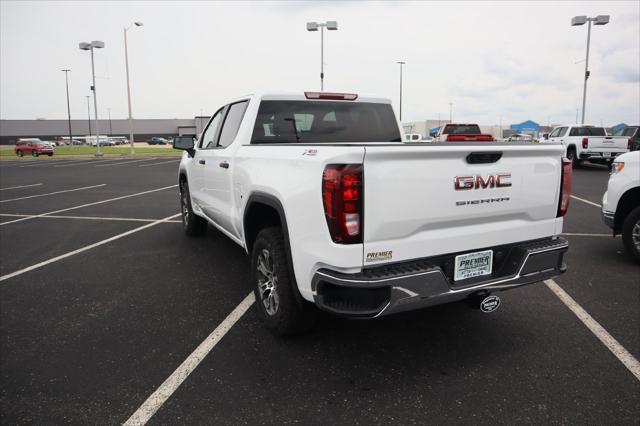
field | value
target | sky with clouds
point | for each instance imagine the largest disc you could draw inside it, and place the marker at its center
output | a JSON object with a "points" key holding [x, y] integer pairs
{"points": [[494, 61]]}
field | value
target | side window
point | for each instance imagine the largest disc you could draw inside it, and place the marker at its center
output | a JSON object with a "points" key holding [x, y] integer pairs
{"points": [[562, 132], [555, 132], [208, 139], [580, 131], [232, 123]]}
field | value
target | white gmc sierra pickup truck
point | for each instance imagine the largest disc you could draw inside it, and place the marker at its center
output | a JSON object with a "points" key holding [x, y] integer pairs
{"points": [[337, 211], [588, 143]]}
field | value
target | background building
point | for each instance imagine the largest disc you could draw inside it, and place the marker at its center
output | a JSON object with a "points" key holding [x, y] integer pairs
{"points": [[144, 129]]}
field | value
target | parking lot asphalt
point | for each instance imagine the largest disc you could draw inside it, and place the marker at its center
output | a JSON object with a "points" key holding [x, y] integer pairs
{"points": [[89, 336]]}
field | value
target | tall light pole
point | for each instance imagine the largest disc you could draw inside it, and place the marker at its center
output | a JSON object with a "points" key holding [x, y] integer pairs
{"points": [[401, 63], [110, 128], [66, 78], [450, 112], [581, 20], [126, 61], [96, 44], [313, 26], [89, 117]]}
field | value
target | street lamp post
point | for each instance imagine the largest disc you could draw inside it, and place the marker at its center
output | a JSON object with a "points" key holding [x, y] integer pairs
{"points": [[401, 63], [89, 117], [450, 112], [66, 78], [110, 128], [581, 20], [126, 61], [96, 44], [313, 26]]}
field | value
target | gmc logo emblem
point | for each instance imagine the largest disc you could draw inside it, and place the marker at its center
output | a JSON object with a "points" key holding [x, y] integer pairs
{"points": [[501, 180]]}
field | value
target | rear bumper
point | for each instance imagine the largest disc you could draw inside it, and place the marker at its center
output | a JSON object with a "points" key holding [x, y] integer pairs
{"points": [[427, 282], [599, 156]]}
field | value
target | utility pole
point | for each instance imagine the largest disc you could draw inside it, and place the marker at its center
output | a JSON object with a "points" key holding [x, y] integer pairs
{"points": [[401, 63], [66, 77], [89, 117], [110, 128]]}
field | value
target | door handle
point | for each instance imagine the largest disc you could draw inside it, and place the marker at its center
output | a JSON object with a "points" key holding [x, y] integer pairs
{"points": [[201, 161], [224, 165]]}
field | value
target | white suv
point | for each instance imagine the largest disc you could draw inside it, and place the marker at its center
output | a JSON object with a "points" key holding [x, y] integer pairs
{"points": [[621, 202]]}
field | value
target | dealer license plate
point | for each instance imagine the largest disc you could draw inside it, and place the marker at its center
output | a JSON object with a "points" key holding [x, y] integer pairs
{"points": [[606, 154], [472, 265]]}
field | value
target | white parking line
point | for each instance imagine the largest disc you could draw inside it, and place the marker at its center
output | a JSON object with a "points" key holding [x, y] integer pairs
{"points": [[88, 204], [125, 162], [169, 386], [118, 219], [85, 161], [607, 339], [85, 248], [577, 234], [586, 201], [40, 163], [53, 193], [177, 160], [21, 186]]}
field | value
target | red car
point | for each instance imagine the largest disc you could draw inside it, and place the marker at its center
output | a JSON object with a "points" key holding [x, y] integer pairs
{"points": [[33, 147]]}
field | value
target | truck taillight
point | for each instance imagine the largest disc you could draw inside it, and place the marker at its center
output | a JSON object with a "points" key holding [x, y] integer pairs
{"points": [[629, 144], [565, 187], [342, 197], [585, 143]]}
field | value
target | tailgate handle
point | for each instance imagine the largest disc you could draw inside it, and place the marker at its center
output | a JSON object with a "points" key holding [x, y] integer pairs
{"points": [[483, 157]]}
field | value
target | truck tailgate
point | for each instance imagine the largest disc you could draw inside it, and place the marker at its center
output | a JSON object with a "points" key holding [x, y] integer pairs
{"points": [[608, 143], [413, 209]]}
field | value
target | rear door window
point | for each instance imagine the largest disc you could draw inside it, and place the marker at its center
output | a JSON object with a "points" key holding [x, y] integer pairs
{"points": [[324, 122], [597, 131], [232, 123]]}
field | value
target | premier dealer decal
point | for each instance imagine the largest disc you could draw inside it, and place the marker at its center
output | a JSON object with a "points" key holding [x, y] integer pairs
{"points": [[376, 256]]}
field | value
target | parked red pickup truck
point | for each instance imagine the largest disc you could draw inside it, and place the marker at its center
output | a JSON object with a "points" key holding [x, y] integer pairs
{"points": [[462, 133]]}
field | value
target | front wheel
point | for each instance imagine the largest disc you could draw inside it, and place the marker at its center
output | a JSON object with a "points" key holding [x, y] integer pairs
{"points": [[50, 155], [19, 153], [631, 234], [282, 310], [192, 224]]}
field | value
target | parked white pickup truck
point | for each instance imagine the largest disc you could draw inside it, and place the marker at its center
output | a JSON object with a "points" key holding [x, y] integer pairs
{"points": [[337, 212], [621, 202], [588, 143]]}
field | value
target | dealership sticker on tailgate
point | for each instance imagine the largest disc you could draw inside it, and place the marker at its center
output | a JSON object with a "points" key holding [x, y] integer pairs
{"points": [[472, 265]]}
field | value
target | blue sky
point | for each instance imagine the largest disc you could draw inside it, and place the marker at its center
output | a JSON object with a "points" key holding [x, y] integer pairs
{"points": [[508, 61]]}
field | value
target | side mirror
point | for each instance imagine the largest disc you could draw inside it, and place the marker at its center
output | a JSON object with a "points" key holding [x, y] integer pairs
{"points": [[545, 136], [185, 143]]}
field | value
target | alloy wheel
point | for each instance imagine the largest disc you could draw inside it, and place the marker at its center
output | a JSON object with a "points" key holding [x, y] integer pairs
{"points": [[267, 283]]}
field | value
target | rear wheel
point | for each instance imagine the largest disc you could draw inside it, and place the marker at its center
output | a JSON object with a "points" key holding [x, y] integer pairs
{"points": [[192, 224], [631, 234], [34, 153], [282, 310], [50, 155], [573, 157]]}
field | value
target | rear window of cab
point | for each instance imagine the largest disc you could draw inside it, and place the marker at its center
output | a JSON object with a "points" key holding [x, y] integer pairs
{"points": [[324, 122]]}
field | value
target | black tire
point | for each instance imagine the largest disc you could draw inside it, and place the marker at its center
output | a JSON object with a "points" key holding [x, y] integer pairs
{"points": [[34, 153], [571, 155], [289, 314], [631, 234], [192, 224], [19, 153], [50, 155]]}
